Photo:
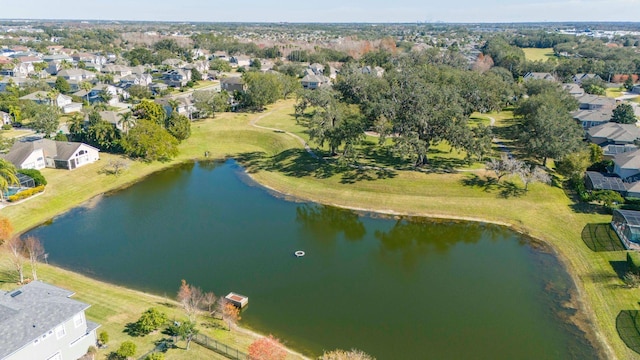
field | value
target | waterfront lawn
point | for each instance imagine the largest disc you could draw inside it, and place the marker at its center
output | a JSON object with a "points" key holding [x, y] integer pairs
{"points": [[278, 161], [113, 307], [535, 54]]}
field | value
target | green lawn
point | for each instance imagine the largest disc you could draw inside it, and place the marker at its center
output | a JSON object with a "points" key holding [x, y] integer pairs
{"points": [[277, 160], [614, 92], [15, 133], [535, 54]]}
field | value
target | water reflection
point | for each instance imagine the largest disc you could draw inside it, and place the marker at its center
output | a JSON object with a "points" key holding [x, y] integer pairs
{"points": [[326, 222]]}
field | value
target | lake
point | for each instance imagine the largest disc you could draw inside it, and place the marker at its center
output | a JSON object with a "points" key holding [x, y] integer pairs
{"points": [[397, 288]]}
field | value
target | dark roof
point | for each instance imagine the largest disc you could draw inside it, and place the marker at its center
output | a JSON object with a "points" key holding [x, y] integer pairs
{"points": [[631, 216], [235, 80], [32, 311], [600, 181]]}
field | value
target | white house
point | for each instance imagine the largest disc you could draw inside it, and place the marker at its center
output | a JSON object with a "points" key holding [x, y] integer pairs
{"points": [[41, 321], [627, 164], [5, 118], [52, 154]]}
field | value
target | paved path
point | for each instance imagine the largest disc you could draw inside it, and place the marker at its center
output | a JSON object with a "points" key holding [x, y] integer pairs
{"points": [[301, 140]]}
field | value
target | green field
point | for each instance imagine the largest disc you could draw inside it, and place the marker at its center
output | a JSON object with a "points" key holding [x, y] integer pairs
{"points": [[535, 54], [278, 161]]}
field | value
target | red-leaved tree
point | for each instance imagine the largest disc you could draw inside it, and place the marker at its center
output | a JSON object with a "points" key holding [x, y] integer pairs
{"points": [[267, 348]]}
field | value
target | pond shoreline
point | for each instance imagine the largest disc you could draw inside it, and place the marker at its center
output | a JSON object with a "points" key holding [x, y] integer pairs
{"points": [[583, 317]]}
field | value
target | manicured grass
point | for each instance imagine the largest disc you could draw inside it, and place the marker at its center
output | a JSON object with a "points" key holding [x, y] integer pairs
{"points": [[15, 133], [113, 307], [614, 92], [278, 161], [534, 54]]}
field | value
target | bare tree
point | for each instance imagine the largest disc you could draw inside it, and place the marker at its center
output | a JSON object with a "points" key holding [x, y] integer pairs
{"points": [[35, 253], [16, 249], [208, 301], [191, 299], [505, 166], [532, 174]]}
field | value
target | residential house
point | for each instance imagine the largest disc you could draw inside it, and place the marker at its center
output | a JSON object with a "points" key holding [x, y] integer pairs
{"points": [[5, 118], [240, 61], [315, 81], [135, 79], [96, 94], [41, 321], [376, 71], [573, 89], [89, 59], [593, 102], [176, 77], [185, 106], [52, 154], [627, 164], [55, 62], [62, 101], [158, 88], [538, 76], [173, 63], [579, 78], [614, 138], [112, 117], [202, 66], [55, 49], [590, 118], [316, 69], [219, 55], [233, 84], [77, 75], [117, 70], [18, 70], [20, 82]]}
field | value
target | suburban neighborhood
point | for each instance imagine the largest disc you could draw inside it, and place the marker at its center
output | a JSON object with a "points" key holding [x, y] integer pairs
{"points": [[139, 159]]}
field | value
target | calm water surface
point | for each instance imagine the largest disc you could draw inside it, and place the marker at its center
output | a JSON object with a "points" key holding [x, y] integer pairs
{"points": [[395, 288]]}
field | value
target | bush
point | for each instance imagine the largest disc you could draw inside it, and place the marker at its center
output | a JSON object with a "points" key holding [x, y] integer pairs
{"points": [[633, 261], [150, 321], [126, 349], [103, 337], [26, 194], [6, 127], [36, 175]]}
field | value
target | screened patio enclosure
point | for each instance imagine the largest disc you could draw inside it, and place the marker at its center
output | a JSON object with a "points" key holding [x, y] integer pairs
{"points": [[626, 223]]}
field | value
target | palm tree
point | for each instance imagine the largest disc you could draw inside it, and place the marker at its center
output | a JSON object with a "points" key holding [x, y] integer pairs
{"points": [[8, 176], [174, 103], [76, 126], [53, 97], [126, 121], [86, 86]]}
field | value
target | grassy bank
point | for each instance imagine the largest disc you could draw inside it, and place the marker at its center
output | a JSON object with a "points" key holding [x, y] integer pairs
{"points": [[278, 161]]}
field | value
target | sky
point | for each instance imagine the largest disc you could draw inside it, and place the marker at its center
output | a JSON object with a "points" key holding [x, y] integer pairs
{"points": [[327, 10]]}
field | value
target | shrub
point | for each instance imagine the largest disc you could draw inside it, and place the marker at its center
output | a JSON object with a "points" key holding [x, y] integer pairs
{"points": [[633, 261], [126, 349], [26, 194], [150, 320], [36, 175], [6, 127], [103, 337]]}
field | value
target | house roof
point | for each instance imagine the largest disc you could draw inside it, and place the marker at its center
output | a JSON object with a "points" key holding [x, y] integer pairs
{"points": [[32, 311], [602, 181], [35, 96], [315, 78], [539, 76], [628, 160], [626, 133], [74, 73], [573, 89], [57, 150], [597, 115], [233, 80]]}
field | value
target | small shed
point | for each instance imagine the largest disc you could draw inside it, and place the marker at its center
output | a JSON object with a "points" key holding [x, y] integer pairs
{"points": [[626, 223], [237, 300]]}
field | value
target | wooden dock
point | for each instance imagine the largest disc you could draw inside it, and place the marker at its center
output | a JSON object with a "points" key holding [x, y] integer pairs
{"points": [[237, 299]]}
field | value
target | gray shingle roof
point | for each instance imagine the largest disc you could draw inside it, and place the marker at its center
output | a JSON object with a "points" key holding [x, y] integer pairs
{"points": [[31, 311], [619, 133]]}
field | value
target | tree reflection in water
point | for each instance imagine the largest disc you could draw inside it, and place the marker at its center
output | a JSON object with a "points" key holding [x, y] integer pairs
{"points": [[327, 222]]}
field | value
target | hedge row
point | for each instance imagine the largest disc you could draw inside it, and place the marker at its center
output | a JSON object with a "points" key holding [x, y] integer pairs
{"points": [[26, 193]]}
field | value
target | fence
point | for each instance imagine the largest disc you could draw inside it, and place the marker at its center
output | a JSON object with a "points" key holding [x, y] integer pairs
{"points": [[228, 351], [209, 343]]}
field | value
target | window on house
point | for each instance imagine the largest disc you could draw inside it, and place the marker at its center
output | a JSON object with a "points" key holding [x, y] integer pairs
{"points": [[78, 320], [60, 331]]}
